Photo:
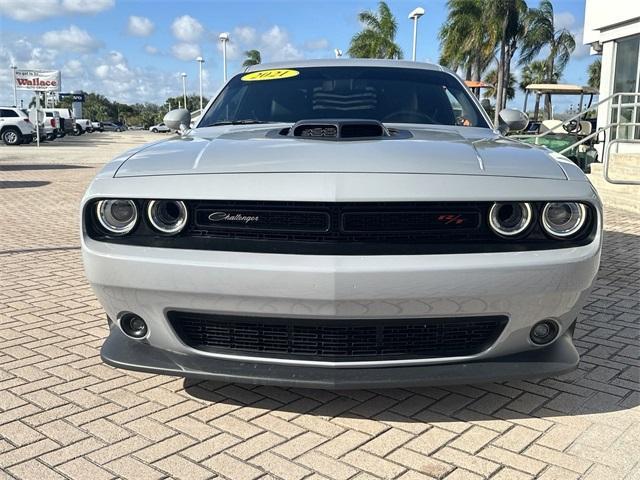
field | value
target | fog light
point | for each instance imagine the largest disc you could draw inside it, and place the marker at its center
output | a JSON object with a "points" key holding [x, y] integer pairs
{"points": [[544, 332], [133, 325]]}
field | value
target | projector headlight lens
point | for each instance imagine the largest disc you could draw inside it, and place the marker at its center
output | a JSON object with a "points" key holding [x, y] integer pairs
{"points": [[563, 219], [510, 219], [167, 216], [117, 216]]}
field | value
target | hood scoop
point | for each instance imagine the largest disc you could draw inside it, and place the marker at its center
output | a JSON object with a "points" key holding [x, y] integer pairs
{"points": [[338, 130]]}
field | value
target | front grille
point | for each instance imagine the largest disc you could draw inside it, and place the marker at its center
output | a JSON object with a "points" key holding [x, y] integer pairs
{"points": [[340, 228], [337, 340]]}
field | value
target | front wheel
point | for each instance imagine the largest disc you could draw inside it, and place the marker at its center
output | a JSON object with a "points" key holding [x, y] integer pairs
{"points": [[12, 136], [154, 130]]}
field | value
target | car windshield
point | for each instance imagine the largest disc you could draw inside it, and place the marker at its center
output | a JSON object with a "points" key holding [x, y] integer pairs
{"points": [[393, 95]]}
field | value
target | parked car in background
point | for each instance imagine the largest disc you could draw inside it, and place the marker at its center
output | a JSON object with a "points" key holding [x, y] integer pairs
{"points": [[83, 125], [111, 127], [159, 128], [97, 126], [67, 120], [53, 118], [46, 125], [15, 126], [343, 223]]}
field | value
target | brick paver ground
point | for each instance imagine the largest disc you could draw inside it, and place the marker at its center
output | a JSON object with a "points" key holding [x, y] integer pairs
{"points": [[64, 414]]}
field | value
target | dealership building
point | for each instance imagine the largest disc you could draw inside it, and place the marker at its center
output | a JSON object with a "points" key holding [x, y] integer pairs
{"points": [[612, 29]]}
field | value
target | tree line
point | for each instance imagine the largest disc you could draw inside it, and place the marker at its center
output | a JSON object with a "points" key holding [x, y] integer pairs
{"points": [[99, 108]]}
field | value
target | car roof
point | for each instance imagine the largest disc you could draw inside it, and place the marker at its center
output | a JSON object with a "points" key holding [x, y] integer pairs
{"points": [[346, 62]]}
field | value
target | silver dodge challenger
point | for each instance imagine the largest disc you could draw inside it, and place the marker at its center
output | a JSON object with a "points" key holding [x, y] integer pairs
{"points": [[342, 224]]}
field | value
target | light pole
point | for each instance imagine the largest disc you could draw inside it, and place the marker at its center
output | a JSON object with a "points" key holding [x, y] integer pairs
{"points": [[184, 88], [224, 38], [15, 86], [200, 61], [415, 15]]}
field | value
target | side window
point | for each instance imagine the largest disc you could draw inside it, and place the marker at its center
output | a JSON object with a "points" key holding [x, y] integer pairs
{"points": [[227, 106], [463, 111], [8, 113], [455, 105]]}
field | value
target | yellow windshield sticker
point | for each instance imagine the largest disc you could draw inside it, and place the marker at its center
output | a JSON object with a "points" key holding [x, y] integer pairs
{"points": [[269, 75]]}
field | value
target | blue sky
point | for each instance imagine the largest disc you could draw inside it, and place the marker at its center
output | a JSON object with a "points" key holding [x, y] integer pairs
{"points": [[135, 50]]}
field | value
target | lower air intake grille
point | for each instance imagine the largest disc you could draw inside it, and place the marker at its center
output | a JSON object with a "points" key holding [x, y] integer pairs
{"points": [[337, 340]]}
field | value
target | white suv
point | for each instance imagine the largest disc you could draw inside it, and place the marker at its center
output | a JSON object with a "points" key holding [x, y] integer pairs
{"points": [[15, 127]]}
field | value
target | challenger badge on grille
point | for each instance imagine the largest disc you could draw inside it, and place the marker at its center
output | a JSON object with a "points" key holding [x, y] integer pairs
{"points": [[265, 220]]}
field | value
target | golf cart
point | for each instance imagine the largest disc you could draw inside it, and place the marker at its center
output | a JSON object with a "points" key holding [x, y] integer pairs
{"points": [[558, 134]]}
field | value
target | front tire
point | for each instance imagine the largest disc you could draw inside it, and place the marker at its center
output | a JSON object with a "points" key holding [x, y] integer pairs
{"points": [[155, 130], [12, 136]]}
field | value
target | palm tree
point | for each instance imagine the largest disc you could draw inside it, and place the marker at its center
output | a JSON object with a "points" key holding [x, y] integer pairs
{"points": [[464, 42], [253, 58], [377, 39], [504, 16], [491, 92], [594, 74], [536, 72], [540, 33]]}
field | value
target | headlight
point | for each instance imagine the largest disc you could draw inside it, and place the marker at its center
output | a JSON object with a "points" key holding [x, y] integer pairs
{"points": [[510, 219], [117, 216], [167, 216], [563, 219]]}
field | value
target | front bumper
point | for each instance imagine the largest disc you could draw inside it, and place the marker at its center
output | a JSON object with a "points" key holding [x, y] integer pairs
{"points": [[122, 352], [524, 286]]}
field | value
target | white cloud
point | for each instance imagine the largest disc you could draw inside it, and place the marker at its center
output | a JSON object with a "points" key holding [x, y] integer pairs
{"points": [[151, 50], [275, 43], [582, 50], [244, 35], [186, 51], [140, 26], [564, 20], [187, 28], [31, 11], [73, 69], [318, 44], [87, 6], [71, 39], [106, 73]]}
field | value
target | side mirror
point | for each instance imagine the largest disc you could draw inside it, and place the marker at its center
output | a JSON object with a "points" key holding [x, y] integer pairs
{"points": [[510, 119], [178, 119]]}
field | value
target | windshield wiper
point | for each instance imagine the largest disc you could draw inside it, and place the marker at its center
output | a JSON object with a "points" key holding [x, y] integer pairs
{"points": [[247, 121]]}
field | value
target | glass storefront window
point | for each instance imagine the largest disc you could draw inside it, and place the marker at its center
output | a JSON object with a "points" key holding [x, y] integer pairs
{"points": [[627, 79]]}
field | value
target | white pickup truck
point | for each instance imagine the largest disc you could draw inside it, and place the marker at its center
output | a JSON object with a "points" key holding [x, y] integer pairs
{"points": [[83, 125]]}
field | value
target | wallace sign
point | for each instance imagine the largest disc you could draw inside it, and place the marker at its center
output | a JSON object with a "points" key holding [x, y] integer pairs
{"points": [[38, 80]]}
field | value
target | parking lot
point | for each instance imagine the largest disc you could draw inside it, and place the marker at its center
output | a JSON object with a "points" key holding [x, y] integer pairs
{"points": [[64, 414]]}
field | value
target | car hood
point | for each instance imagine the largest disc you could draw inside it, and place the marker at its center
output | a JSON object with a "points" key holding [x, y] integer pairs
{"points": [[462, 151]]}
